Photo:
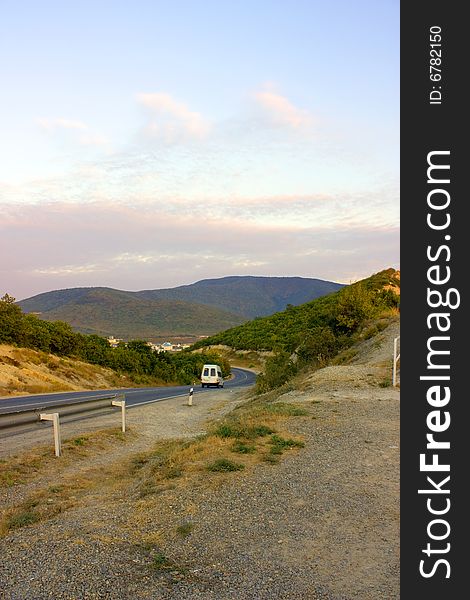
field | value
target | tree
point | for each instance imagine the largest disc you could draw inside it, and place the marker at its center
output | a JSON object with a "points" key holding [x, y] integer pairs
{"points": [[317, 346], [355, 305], [10, 319]]}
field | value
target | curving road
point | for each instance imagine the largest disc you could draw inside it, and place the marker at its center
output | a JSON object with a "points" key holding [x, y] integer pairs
{"points": [[134, 396]]}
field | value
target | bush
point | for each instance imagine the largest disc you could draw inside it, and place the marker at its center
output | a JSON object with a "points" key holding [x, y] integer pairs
{"points": [[278, 370], [317, 346]]}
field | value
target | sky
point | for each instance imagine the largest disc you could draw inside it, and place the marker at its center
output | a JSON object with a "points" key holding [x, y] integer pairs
{"points": [[150, 144]]}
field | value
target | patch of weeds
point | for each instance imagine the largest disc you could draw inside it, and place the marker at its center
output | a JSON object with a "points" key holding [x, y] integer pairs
{"points": [[279, 444], [8, 479], [138, 462], [160, 561], [147, 488], [344, 357], [184, 529], [373, 330], [243, 448], [55, 489], [263, 430], [173, 473], [385, 383], [271, 459], [22, 519], [226, 431], [285, 409], [223, 465], [79, 441], [239, 430]]}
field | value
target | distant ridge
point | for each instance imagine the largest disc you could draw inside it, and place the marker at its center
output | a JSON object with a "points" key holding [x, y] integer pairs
{"points": [[201, 308], [249, 296]]}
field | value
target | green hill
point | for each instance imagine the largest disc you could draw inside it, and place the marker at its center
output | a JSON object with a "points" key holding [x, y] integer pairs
{"points": [[248, 296], [202, 308], [104, 311], [322, 324]]}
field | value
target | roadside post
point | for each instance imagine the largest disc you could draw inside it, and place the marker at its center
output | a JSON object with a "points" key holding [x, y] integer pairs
{"points": [[396, 358], [54, 417], [122, 404], [190, 398]]}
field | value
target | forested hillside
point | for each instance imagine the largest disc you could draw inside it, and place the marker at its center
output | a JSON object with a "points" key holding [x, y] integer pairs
{"points": [[136, 359], [313, 333], [202, 308], [248, 296], [104, 311]]}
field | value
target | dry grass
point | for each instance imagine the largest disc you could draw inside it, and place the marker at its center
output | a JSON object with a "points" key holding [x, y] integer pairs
{"points": [[25, 467], [25, 371], [246, 437], [43, 504], [67, 490], [251, 434]]}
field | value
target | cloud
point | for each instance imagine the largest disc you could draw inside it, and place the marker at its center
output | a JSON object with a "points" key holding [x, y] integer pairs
{"points": [[170, 118], [52, 124], [282, 111], [145, 247], [68, 270], [76, 131]]}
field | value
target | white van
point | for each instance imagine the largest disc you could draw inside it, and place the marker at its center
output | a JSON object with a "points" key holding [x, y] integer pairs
{"points": [[212, 375]]}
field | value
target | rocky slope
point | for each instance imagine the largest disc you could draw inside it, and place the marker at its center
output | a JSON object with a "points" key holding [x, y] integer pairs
{"points": [[24, 371]]}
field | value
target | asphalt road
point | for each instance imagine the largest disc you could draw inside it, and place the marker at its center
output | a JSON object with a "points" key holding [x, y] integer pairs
{"points": [[134, 396]]}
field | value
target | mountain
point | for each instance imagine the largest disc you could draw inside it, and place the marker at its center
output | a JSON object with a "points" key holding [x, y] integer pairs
{"points": [[320, 323], [202, 308], [248, 296], [105, 312]]}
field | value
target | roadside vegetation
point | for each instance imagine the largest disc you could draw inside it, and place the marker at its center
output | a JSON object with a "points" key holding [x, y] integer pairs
{"points": [[135, 359], [313, 334], [253, 433]]}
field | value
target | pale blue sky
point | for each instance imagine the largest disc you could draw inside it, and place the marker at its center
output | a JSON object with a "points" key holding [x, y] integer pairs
{"points": [[275, 123]]}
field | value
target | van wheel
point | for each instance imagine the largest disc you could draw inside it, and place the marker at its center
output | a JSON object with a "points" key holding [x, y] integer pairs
{"points": [[202, 385]]}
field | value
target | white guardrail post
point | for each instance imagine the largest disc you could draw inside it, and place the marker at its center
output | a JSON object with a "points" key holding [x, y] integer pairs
{"points": [[122, 404], [54, 417], [190, 398], [396, 358]]}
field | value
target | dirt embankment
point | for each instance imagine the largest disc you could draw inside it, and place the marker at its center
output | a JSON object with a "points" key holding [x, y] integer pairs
{"points": [[320, 523], [24, 371]]}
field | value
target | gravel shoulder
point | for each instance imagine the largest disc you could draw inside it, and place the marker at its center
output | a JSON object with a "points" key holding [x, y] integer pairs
{"points": [[323, 523]]}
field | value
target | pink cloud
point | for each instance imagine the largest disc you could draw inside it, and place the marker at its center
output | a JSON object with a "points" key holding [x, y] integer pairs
{"points": [[61, 245], [76, 131], [281, 110], [169, 117]]}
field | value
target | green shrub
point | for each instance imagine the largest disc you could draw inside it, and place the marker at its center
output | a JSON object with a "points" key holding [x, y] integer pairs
{"points": [[279, 444], [223, 465], [278, 369], [242, 448], [286, 410]]}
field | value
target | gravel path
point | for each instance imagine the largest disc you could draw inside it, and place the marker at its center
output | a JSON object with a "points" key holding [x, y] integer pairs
{"points": [[321, 524]]}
